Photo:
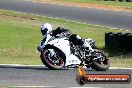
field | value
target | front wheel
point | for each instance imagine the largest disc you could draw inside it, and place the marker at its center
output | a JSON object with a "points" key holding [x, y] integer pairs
{"points": [[56, 61], [101, 63]]}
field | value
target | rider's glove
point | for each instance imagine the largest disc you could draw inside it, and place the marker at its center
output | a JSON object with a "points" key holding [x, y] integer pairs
{"points": [[39, 49]]}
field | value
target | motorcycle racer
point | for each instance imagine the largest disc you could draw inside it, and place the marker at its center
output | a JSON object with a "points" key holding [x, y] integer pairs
{"points": [[46, 30], [47, 33], [59, 48]]}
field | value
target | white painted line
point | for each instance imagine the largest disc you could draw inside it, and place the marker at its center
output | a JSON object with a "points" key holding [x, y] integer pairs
{"points": [[33, 86], [87, 24], [84, 87], [49, 87], [61, 4], [72, 21], [20, 65], [119, 68]]}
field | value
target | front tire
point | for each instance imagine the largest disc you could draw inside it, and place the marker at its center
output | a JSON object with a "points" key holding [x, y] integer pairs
{"points": [[54, 63]]}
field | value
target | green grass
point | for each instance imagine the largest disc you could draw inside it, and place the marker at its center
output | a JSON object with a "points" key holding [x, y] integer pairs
{"points": [[114, 3], [120, 62], [20, 35]]}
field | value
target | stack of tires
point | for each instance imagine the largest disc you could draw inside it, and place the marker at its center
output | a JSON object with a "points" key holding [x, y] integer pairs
{"points": [[118, 41], [129, 0]]}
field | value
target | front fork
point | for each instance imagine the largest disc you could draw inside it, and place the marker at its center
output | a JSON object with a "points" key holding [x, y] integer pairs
{"points": [[52, 53]]}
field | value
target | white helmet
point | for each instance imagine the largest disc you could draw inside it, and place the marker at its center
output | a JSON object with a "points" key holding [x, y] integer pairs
{"points": [[46, 28]]}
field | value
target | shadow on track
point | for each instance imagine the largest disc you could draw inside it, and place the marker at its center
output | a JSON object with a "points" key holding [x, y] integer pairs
{"points": [[37, 68], [28, 67]]}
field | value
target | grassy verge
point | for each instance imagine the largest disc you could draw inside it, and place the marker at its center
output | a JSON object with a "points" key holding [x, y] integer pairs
{"points": [[19, 36], [120, 62], [114, 3]]}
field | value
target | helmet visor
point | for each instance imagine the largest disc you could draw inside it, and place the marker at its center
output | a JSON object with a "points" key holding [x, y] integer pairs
{"points": [[44, 31]]}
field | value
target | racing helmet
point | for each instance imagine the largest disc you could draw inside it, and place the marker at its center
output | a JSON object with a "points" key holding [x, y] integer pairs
{"points": [[46, 28]]}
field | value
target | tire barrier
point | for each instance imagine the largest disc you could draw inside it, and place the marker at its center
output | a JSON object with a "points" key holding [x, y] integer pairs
{"points": [[118, 41], [128, 0]]}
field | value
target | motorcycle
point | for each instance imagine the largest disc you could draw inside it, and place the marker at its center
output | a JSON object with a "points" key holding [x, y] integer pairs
{"points": [[60, 52]]}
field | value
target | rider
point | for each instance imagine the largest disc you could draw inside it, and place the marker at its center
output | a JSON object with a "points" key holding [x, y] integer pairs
{"points": [[47, 33]]}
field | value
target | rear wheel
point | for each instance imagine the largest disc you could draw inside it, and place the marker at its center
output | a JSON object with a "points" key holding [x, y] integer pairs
{"points": [[101, 63], [55, 61]]}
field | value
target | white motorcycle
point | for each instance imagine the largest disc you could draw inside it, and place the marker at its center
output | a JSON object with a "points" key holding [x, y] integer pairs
{"points": [[60, 52]]}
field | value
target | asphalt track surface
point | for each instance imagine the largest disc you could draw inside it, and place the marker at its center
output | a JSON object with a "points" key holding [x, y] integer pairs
{"points": [[42, 76], [122, 20]]}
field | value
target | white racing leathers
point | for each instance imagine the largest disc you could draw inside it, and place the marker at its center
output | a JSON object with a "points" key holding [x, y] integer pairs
{"points": [[44, 42]]}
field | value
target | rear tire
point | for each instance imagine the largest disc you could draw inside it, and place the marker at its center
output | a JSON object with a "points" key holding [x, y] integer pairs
{"points": [[96, 65]]}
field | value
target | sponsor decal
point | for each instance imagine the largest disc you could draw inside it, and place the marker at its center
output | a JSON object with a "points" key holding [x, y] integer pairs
{"points": [[83, 78]]}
